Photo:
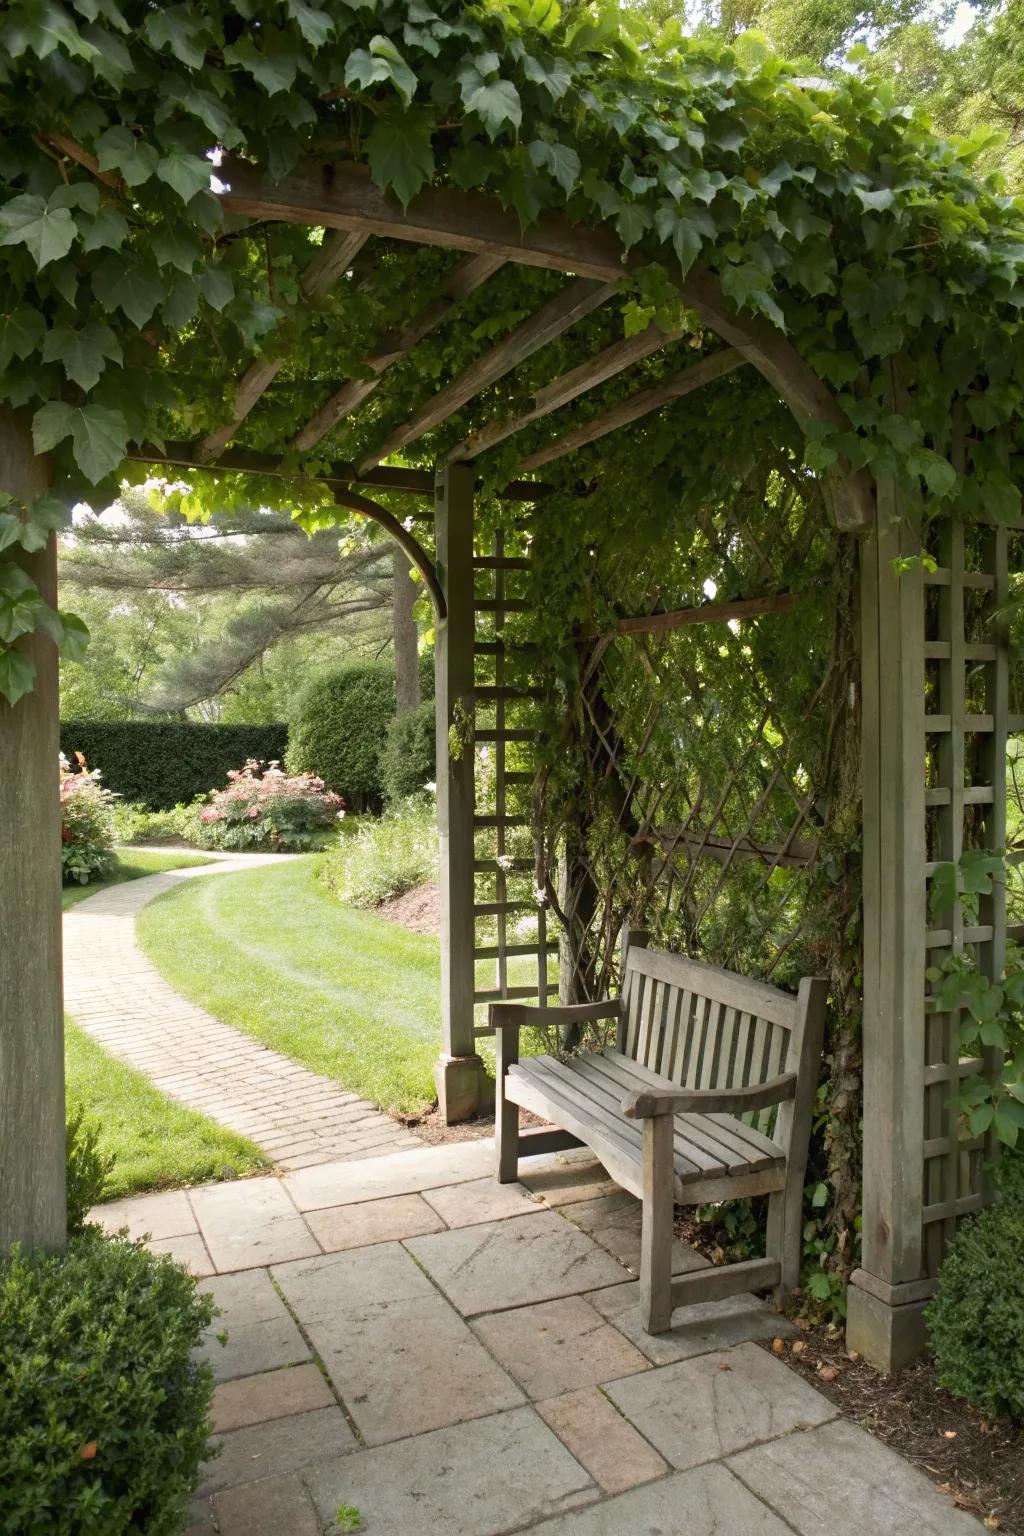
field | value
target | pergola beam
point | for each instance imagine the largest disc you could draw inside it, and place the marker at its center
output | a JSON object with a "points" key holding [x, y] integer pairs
{"points": [[465, 278], [342, 196], [596, 370], [332, 260], [404, 480], [569, 306], [637, 406]]}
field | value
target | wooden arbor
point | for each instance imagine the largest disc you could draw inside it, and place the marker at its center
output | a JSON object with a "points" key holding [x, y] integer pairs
{"points": [[914, 1179]]}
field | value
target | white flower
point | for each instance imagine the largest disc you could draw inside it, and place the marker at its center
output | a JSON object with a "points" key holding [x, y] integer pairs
{"points": [[431, 786]]}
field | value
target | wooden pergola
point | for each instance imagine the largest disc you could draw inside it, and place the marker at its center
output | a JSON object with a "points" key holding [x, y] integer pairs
{"points": [[913, 1187]]}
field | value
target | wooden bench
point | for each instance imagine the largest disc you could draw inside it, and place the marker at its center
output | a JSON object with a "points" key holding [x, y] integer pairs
{"points": [[707, 1096]]}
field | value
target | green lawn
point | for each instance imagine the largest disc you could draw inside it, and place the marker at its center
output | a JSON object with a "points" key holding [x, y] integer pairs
{"points": [[132, 864], [345, 992], [155, 1142]]}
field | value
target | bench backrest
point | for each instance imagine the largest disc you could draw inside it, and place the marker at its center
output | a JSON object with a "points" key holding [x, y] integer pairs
{"points": [[703, 1027]]}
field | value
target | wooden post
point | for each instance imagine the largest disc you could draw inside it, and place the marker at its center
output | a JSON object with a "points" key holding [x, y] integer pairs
{"points": [[32, 1165], [459, 1070], [888, 1292], [404, 592]]}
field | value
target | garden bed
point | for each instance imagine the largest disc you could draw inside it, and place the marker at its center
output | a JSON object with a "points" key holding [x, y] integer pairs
{"points": [[980, 1462]]}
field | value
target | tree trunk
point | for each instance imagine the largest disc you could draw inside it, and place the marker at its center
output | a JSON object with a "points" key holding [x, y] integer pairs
{"points": [[407, 657], [32, 1159]]}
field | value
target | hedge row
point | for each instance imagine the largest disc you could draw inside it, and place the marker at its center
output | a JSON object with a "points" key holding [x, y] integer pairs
{"points": [[161, 763]]}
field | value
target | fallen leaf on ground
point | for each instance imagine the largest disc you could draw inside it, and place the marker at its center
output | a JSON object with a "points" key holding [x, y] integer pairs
{"points": [[827, 1372], [778, 1346], [949, 1434]]}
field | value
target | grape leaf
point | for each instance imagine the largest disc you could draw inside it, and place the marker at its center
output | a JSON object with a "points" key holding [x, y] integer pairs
{"points": [[185, 172], [401, 154], [47, 232], [84, 353], [17, 675], [119, 150], [98, 435]]}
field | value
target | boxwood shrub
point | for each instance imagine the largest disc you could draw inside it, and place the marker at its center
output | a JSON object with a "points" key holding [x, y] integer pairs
{"points": [[339, 727], [164, 763], [408, 759], [976, 1321], [103, 1408]]}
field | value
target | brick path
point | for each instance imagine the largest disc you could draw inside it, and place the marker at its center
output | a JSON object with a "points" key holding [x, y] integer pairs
{"points": [[112, 991]]}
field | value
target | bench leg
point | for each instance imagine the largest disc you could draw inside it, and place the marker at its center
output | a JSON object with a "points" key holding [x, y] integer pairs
{"points": [[657, 1230], [506, 1114], [783, 1237]]}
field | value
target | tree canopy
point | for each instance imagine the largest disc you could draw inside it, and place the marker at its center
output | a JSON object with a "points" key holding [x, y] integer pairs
{"points": [[826, 210]]}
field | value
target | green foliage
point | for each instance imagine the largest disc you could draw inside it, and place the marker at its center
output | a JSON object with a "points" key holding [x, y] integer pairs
{"points": [[408, 759], [88, 1168], [976, 1321], [991, 1011], [262, 807], [824, 208], [339, 724], [103, 1416], [86, 824], [161, 764], [385, 856]]}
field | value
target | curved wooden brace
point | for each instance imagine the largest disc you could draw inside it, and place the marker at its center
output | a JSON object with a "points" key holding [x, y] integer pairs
{"points": [[343, 197], [417, 555]]}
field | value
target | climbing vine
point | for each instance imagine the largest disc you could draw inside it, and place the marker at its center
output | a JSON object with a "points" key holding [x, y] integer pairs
{"points": [[129, 297]]}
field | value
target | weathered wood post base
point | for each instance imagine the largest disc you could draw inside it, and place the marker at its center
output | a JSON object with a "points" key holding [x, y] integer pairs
{"points": [[888, 1332], [32, 1172], [459, 1073], [463, 1087]]}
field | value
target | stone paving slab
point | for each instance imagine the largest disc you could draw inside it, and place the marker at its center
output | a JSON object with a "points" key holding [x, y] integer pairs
{"points": [[278, 1506], [270, 1395], [706, 1501], [515, 1262], [615, 1454], [111, 990], [810, 1478], [467, 1205], [378, 1221], [261, 1334], [270, 1450], [478, 1479], [557, 1346], [167, 1214], [696, 1329], [189, 1251], [249, 1223], [400, 1357], [714, 1405], [566, 1177], [397, 1173], [615, 1222]]}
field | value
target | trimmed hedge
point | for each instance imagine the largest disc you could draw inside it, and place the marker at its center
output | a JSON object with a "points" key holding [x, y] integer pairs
{"points": [[165, 763], [408, 759], [339, 727]]}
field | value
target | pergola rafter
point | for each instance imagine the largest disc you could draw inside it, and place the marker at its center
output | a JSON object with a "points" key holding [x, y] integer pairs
{"points": [[464, 279], [330, 263]]}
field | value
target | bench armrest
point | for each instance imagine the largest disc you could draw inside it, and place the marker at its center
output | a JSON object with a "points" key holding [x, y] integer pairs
{"points": [[709, 1101], [519, 1015]]}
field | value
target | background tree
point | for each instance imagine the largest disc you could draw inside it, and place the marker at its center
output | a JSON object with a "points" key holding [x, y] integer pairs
{"points": [[227, 618]]}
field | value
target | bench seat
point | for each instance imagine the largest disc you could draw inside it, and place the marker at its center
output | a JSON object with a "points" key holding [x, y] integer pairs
{"points": [[585, 1095]]}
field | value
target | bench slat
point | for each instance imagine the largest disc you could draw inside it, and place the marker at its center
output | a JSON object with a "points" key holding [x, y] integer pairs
{"points": [[755, 997], [730, 1130], [691, 1159], [705, 1155]]}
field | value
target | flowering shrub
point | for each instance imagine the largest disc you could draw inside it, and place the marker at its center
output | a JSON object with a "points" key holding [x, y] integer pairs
{"points": [[262, 807], [385, 855], [86, 823]]}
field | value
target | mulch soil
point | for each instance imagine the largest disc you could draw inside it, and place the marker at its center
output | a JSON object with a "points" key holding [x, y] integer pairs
{"points": [[978, 1461]]}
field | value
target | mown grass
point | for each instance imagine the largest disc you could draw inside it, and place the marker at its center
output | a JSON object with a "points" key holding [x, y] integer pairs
{"points": [[155, 1142], [344, 992], [132, 864]]}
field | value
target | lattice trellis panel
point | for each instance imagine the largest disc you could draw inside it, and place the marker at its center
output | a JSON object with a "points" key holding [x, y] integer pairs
{"points": [[512, 946], [970, 723], [707, 738]]}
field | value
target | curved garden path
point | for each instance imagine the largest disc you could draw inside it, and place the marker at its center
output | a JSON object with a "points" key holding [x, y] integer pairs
{"points": [[113, 992]]}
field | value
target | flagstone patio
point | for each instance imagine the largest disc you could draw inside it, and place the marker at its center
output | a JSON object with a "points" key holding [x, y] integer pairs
{"points": [[411, 1346]]}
